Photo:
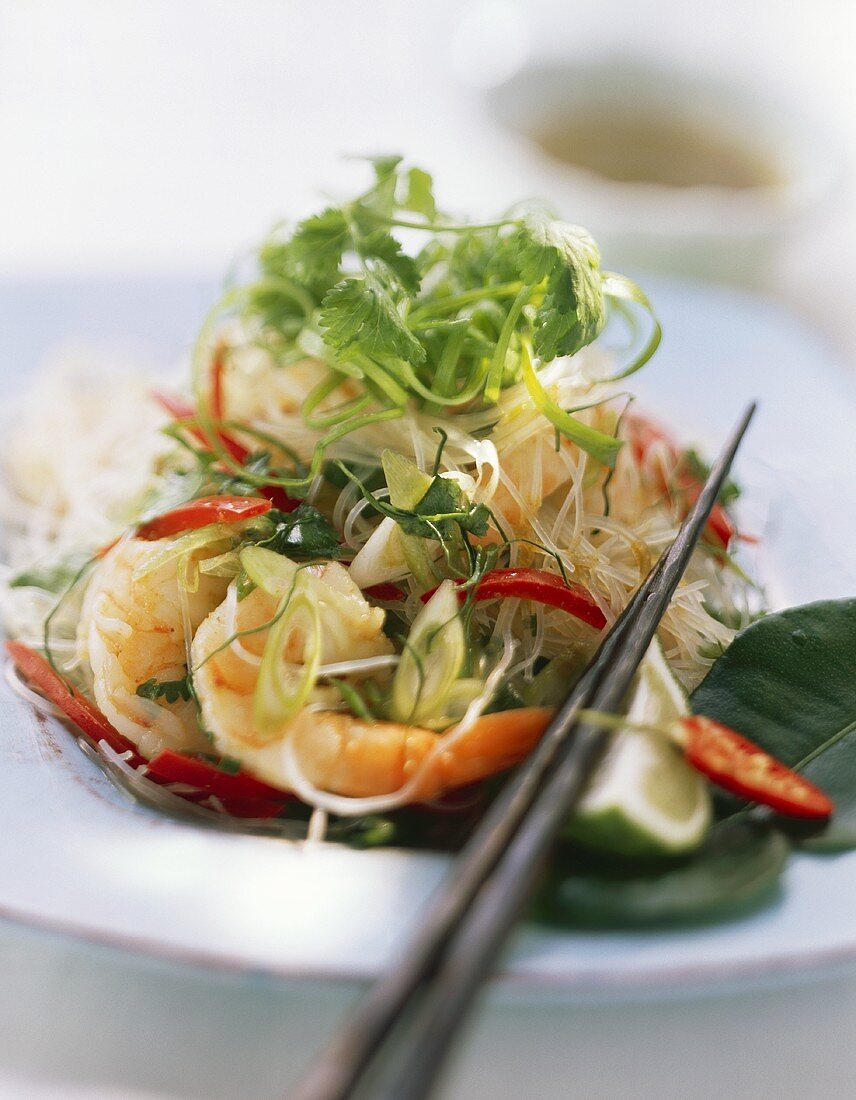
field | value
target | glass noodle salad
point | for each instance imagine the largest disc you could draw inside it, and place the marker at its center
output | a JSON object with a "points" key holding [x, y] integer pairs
{"points": [[350, 571]]}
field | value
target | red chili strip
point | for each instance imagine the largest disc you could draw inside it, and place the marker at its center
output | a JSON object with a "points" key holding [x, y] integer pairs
{"points": [[201, 512], [74, 705], [178, 767], [279, 498], [383, 591], [177, 408], [251, 807], [182, 410], [241, 795], [541, 586], [218, 365], [738, 765]]}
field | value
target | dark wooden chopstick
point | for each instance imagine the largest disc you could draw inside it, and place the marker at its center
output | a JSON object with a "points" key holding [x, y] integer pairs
{"points": [[337, 1070], [486, 925], [475, 908]]}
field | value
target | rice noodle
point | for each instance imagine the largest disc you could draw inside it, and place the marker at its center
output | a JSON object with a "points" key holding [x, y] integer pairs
{"points": [[359, 666], [38, 702], [73, 500]]}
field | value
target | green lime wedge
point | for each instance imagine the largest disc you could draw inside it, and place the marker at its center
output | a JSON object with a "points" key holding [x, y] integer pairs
{"points": [[644, 798]]}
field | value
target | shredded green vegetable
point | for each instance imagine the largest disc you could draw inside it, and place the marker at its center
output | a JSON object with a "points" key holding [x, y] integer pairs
{"points": [[453, 323]]}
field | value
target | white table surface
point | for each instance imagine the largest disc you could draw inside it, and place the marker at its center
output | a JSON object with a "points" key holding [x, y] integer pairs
{"points": [[163, 137]]}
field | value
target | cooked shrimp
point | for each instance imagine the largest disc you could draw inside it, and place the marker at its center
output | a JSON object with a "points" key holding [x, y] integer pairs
{"points": [[328, 749], [133, 629], [258, 391], [225, 679], [348, 756]]}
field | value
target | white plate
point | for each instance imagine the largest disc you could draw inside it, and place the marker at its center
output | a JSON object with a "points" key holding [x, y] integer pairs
{"points": [[76, 855]]}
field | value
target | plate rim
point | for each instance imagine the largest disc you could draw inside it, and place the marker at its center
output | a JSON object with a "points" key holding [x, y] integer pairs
{"points": [[604, 979]]}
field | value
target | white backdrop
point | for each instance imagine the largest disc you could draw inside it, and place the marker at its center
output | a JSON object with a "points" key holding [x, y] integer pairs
{"points": [[166, 135]]}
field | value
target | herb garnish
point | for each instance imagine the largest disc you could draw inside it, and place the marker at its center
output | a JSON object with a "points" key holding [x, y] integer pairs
{"points": [[303, 533], [452, 323], [444, 509], [168, 690]]}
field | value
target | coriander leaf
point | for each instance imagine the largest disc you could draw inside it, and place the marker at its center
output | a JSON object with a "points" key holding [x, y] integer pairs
{"points": [[379, 245], [358, 313], [446, 501], [419, 197], [572, 312], [257, 465], [318, 244], [286, 287], [255, 469], [303, 533], [281, 303], [384, 166], [381, 198], [170, 690], [443, 507]]}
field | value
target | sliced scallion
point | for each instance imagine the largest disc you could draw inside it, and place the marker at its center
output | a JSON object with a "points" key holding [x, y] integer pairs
{"points": [[432, 660], [273, 573], [284, 686]]}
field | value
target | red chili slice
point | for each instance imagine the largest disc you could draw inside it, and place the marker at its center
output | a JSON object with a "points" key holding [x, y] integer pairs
{"points": [[738, 765], [201, 512], [176, 406], [279, 498], [541, 586], [720, 527], [241, 795], [75, 706], [178, 409], [177, 767]]}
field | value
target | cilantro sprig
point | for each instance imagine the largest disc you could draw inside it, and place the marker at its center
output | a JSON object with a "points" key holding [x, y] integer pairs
{"points": [[443, 511], [303, 533], [415, 309]]}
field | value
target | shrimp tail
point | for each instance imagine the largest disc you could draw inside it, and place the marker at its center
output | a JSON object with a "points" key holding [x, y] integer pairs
{"points": [[347, 756], [494, 743]]}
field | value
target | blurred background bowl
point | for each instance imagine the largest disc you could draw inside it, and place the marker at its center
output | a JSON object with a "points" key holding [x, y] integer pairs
{"points": [[672, 170]]}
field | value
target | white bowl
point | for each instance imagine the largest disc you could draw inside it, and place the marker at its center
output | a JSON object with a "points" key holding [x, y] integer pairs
{"points": [[725, 232]]}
